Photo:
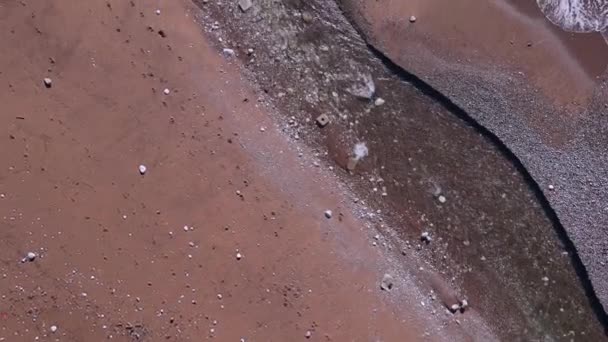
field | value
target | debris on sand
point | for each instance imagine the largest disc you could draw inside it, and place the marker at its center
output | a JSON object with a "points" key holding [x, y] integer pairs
{"points": [[387, 282], [322, 120], [53, 328], [142, 169], [308, 334], [48, 82], [157, 12], [365, 88], [166, 91], [30, 256], [328, 214], [245, 5], [412, 19]]}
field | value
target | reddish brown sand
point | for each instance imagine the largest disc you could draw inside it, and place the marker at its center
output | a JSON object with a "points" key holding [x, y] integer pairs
{"points": [[114, 259]]}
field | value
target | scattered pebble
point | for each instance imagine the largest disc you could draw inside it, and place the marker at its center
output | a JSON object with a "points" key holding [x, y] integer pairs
{"points": [[322, 120], [262, 129], [387, 282], [308, 334], [239, 256], [551, 187], [454, 308], [30, 256], [426, 237], [219, 296], [328, 214], [53, 328], [157, 12], [379, 101], [228, 52], [245, 5], [412, 19], [441, 199], [464, 304], [166, 91], [48, 82], [142, 169]]}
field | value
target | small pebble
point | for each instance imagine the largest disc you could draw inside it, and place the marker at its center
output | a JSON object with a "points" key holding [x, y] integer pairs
{"points": [[157, 12], [379, 101], [551, 187], [308, 334], [31, 256], [412, 19], [239, 256], [53, 328], [454, 307], [441, 199], [166, 91], [48, 82], [228, 52], [219, 296], [387, 282], [328, 214], [262, 129], [426, 237], [142, 169]]}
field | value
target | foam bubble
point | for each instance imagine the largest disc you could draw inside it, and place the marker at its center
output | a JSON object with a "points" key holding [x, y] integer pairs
{"points": [[576, 15]]}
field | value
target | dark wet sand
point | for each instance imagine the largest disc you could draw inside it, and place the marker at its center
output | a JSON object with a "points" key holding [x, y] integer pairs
{"points": [[520, 77]]}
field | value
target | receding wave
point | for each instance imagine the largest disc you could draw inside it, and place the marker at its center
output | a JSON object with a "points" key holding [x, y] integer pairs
{"points": [[577, 15]]}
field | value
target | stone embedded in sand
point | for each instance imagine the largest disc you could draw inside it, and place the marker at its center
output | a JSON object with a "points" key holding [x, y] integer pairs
{"points": [[454, 308], [239, 256], [142, 169], [48, 82], [245, 5], [387, 282], [352, 164], [53, 328], [307, 17], [441, 199], [157, 12], [379, 101], [328, 214], [412, 19], [166, 91], [322, 120], [551, 187], [308, 334], [365, 88], [464, 304], [228, 52]]}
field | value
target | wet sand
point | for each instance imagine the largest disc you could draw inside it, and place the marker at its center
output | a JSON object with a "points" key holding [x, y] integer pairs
{"points": [[493, 241], [152, 257], [516, 74]]}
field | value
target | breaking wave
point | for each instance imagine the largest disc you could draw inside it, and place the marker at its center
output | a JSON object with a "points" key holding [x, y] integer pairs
{"points": [[577, 15]]}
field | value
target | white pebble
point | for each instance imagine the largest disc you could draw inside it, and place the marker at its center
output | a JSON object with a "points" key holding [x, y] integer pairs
{"points": [[328, 214], [142, 169], [412, 19], [31, 256], [166, 91], [379, 101], [219, 296], [442, 199], [53, 328], [157, 12], [239, 256], [308, 334], [262, 129], [48, 82], [551, 187]]}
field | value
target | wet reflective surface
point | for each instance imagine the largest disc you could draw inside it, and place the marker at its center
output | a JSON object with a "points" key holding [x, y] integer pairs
{"points": [[429, 169]]}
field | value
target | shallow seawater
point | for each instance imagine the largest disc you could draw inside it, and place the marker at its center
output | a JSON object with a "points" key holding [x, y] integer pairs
{"points": [[577, 15]]}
